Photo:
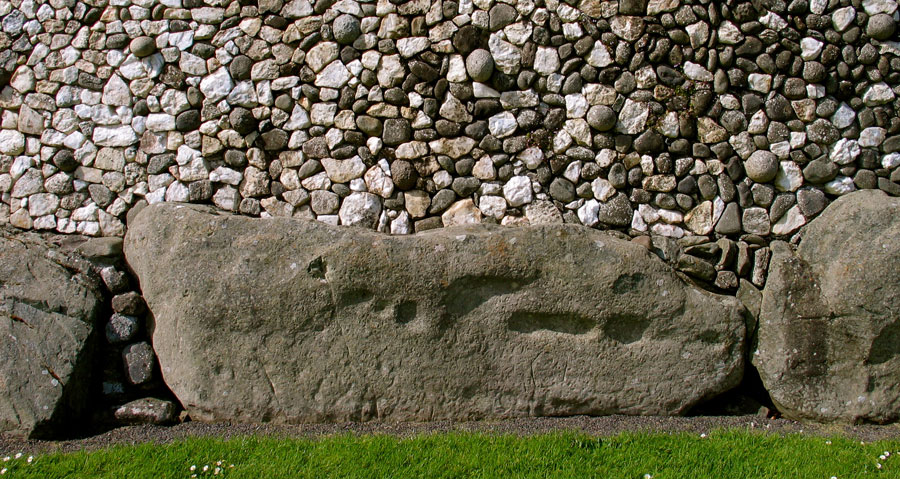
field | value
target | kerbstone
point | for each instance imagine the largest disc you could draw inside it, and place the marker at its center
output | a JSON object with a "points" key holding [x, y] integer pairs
{"points": [[827, 331], [496, 323], [49, 302]]}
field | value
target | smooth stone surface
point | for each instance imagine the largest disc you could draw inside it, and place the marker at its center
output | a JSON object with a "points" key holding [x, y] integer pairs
{"points": [[828, 348], [762, 166], [881, 26], [143, 46], [496, 323]]}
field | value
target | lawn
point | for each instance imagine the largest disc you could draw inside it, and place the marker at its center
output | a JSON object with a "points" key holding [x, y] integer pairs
{"points": [[720, 454]]}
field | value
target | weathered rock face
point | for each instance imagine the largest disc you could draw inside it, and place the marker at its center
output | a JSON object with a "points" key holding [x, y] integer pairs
{"points": [[47, 314], [291, 320], [829, 334]]}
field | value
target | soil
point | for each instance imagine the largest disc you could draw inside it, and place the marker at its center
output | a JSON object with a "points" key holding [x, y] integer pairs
{"points": [[600, 426]]}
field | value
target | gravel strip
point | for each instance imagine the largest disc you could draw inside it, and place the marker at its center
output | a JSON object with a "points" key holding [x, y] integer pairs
{"points": [[601, 426]]}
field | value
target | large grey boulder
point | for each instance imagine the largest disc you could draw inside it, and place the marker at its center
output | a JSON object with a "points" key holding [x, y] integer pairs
{"points": [[829, 329], [292, 320], [49, 301]]}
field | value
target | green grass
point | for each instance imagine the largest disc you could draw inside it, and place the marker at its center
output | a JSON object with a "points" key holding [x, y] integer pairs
{"points": [[720, 455]]}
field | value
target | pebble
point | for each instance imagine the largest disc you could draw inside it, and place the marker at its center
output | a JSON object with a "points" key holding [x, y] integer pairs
{"points": [[881, 26], [878, 94], [845, 151], [143, 46], [146, 411], [517, 191], [480, 65], [502, 125], [756, 221], [632, 117], [121, 328], [346, 29], [762, 166], [139, 362], [12, 142]]}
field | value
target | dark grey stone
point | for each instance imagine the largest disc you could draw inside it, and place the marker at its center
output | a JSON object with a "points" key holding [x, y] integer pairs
{"points": [[820, 171], [49, 302], [822, 131], [396, 131], [601, 118], [239, 68], [404, 175], [881, 26], [562, 190], [138, 359], [346, 29], [146, 411], [188, 121], [441, 201], [730, 222], [130, 303], [501, 15], [811, 201], [369, 125], [617, 211], [242, 120], [65, 160], [480, 65], [122, 328]]}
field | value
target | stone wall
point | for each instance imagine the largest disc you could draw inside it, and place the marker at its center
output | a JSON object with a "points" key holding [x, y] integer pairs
{"points": [[324, 323], [721, 124]]}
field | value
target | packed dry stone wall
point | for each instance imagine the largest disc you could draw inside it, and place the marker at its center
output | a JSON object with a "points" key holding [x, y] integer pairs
{"points": [[721, 124]]}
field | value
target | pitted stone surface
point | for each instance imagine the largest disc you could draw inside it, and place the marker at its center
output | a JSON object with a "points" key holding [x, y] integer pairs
{"points": [[334, 324], [828, 326]]}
